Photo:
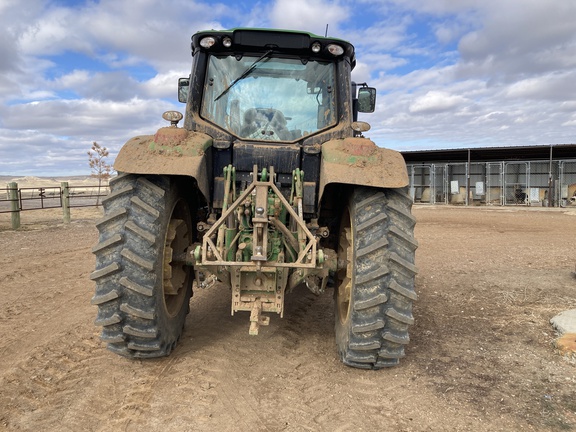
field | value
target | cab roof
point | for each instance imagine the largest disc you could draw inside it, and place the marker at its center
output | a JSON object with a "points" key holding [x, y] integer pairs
{"points": [[291, 42]]}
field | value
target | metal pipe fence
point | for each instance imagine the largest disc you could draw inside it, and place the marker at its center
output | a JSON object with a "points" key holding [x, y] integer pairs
{"points": [[517, 183], [15, 200], [39, 198]]}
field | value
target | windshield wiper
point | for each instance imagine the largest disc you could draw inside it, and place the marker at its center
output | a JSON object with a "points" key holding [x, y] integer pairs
{"points": [[244, 74]]}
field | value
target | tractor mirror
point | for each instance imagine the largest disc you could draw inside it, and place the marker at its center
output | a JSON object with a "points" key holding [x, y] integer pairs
{"points": [[183, 86], [366, 99]]}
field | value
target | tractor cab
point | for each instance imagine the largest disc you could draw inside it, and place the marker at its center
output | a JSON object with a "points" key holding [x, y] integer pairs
{"points": [[272, 86]]}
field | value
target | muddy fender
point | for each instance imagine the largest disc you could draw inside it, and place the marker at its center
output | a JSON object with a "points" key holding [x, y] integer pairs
{"points": [[359, 161], [171, 151]]}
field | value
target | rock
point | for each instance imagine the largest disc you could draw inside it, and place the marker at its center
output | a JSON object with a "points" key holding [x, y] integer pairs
{"points": [[565, 322]]}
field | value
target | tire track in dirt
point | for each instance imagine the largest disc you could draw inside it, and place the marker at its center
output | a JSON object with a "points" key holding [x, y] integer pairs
{"points": [[32, 301], [60, 377], [181, 391], [72, 383], [216, 356], [288, 388], [47, 383]]}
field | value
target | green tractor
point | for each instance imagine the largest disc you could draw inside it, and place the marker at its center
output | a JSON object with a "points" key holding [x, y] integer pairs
{"points": [[268, 185]]}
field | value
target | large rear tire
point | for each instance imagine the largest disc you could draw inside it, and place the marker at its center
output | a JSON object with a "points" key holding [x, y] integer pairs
{"points": [[143, 286], [375, 279]]}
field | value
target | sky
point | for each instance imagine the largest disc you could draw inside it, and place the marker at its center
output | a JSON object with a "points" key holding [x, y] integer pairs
{"points": [[449, 73]]}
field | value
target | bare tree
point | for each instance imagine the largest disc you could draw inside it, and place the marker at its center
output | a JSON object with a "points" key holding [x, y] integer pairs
{"points": [[98, 165]]}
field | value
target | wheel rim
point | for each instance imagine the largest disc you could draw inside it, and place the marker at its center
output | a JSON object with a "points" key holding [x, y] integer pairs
{"points": [[344, 272], [175, 271]]}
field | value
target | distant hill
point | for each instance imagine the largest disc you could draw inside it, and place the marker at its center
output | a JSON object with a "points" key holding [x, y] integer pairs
{"points": [[33, 181]]}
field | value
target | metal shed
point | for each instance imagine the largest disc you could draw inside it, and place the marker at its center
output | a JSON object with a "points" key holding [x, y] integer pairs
{"points": [[519, 175]]}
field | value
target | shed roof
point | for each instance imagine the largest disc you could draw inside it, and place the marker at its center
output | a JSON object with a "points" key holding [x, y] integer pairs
{"points": [[538, 152]]}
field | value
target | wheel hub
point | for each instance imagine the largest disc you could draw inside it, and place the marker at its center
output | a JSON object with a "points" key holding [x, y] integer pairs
{"points": [[344, 274], [174, 272]]}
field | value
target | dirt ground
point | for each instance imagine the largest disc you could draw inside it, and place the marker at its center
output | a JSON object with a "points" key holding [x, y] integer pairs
{"points": [[481, 355]]}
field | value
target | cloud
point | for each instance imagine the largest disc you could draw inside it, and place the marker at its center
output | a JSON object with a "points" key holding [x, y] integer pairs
{"points": [[164, 85], [519, 38], [381, 62], [85, 117], [40, 150], [8, 53], [308, 15], [110, 86], [140, 28], [436, 101], [551, 86], [55, 135], [447, 32], [75, 79]]}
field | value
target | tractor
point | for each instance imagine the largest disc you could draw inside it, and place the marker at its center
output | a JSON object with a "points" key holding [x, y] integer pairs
{"points": [[268, 185]]}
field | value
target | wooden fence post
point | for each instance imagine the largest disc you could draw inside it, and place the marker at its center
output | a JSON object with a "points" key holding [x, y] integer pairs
{"points": [[65, 201], [14, 204]]}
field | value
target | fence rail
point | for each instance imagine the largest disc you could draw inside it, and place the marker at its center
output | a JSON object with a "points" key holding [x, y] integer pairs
{"points": [[15, 200], [39, 198]]}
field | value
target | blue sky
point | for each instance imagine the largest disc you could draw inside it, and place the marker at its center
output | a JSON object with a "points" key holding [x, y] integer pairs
{"points": [[449, 73]]}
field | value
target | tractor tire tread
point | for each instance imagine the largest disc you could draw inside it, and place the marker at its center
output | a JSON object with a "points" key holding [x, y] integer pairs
{"points": [[127, 268], [384, 273]]}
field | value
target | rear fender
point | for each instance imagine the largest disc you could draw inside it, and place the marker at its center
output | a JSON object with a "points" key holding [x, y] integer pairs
{"points": [[358, 161], [171, 151]]}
